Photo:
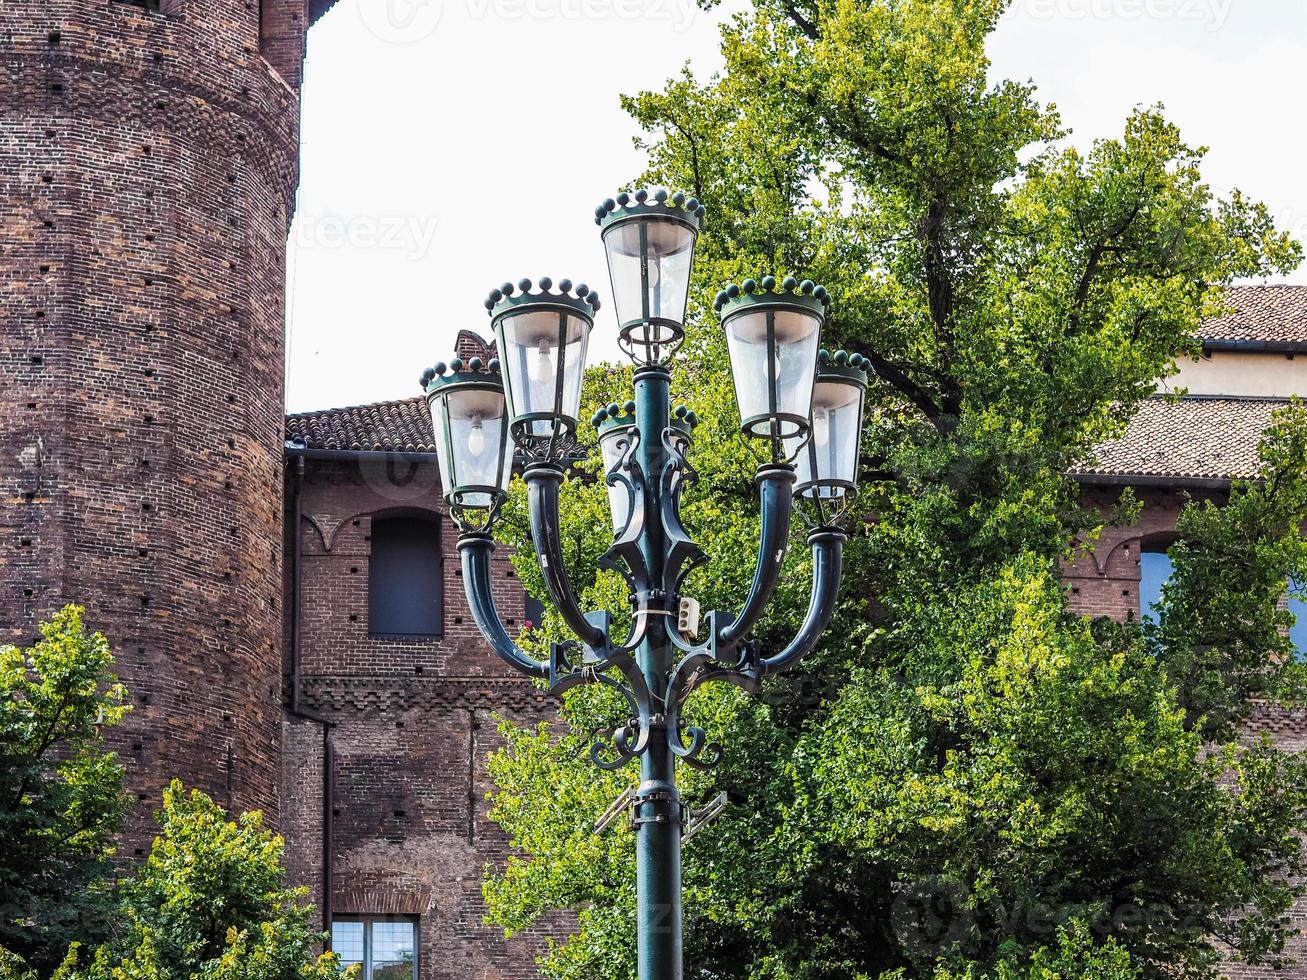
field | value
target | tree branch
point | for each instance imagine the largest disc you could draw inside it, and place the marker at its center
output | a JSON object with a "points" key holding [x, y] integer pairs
{"points": [[808, 27], [893, 374]]}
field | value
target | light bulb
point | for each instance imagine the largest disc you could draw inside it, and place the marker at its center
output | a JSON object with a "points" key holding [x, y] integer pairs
{"points": [[542, 368], [476, 438], [821, 427], [653, 267]]}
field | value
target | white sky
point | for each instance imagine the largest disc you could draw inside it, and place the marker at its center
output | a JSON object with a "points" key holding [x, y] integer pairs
{"points": [[424, 120]]}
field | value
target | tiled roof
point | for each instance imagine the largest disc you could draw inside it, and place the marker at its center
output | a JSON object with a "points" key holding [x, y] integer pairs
{"points": [[396, 427], [403, 427], [1196, 438], [1263, 315]]}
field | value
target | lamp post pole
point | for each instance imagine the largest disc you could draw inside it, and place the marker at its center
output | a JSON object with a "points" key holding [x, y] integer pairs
{"points": [[803, 404], [657, 808]]}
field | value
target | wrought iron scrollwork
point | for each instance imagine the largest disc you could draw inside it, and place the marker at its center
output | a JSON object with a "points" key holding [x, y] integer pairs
{"points": [[725, 656], [683, 555]]}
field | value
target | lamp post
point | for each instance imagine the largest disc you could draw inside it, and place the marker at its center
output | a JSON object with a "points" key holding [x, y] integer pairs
{"points": [[795, 400]]}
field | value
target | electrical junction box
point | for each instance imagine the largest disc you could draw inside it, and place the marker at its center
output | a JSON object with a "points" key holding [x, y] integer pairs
{"points": [[687, 617]]}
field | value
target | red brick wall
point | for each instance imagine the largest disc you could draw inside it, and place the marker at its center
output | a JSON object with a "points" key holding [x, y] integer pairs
{"points": [[1105, 581], [148, 165], [412, 727], [282, 26]]}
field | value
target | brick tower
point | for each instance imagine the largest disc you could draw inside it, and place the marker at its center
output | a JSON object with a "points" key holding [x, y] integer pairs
{"points": [[148, 162]]}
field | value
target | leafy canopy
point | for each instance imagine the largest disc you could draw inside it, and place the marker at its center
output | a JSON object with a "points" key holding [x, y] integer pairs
{"points": [[209, 904], [964, 780]]}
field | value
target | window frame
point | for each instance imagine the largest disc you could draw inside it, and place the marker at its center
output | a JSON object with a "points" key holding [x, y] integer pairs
{"points": [[1161, 544], [432, 519], [368, 921]]}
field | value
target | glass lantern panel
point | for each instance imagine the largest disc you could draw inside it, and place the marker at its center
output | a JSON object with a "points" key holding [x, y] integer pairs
{"points": [[440, 428], [773, 378], [613, 443], [477, 435], [831, 452], [666, 258], [535, 347]]}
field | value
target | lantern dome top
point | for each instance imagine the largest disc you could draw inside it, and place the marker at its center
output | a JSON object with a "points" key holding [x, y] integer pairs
{"points": [[645, 203], [842, 365], [789, 292], [614, 415], [458, 371], [580, 298]]}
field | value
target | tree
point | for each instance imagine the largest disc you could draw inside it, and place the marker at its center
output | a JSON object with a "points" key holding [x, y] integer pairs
{"points": [[962, 768], [61, 798], [210, 904]]}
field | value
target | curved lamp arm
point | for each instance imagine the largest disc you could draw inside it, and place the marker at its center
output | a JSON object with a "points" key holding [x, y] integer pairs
{"points": [[475, 550], [542, 482], [774, 492], [827, 566]]}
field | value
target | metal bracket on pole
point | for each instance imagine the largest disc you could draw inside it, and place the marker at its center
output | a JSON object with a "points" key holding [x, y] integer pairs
{"points": [[615, 810], [702, 818]]}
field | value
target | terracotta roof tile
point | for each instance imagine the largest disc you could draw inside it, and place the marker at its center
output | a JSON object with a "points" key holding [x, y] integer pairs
{"points": [[403, 426], [1196, 438], [1263, 314]]}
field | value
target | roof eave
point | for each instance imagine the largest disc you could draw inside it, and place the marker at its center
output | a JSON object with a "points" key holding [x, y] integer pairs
{"points": [[1153, 481], [349, 455], [1257, 346]]}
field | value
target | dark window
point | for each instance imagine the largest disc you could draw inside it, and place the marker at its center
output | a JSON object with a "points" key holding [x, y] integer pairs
{"points": [[1154, 569], [384, 946], [404, 578], [535, 611]]}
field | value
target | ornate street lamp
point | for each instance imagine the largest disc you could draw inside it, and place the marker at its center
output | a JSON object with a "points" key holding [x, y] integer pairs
{"points": [[650, 248], [786, 404], [828, 458], [472, 445]]}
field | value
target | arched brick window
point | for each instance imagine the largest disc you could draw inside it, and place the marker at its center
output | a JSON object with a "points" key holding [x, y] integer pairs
{"points": [[1155, 569], [405, 586]]}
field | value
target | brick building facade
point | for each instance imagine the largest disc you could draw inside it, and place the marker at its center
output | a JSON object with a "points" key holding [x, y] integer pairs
{"points": [[244, 563], [148, 159], [405, 721]]}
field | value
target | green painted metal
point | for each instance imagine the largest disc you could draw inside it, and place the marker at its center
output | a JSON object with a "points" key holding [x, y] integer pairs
{"points": [[658, 811], [654, 668]]}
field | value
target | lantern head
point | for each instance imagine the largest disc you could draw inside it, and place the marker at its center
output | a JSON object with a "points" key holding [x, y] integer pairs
{"points": [[542, 339], [649, 239], [827, 463], [469, 418], [772, 336]]}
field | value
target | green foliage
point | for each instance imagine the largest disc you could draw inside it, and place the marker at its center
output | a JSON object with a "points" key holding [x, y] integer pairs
{"points": [[61, 799], [209, 904], [1222, 625], [963, 780]]}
